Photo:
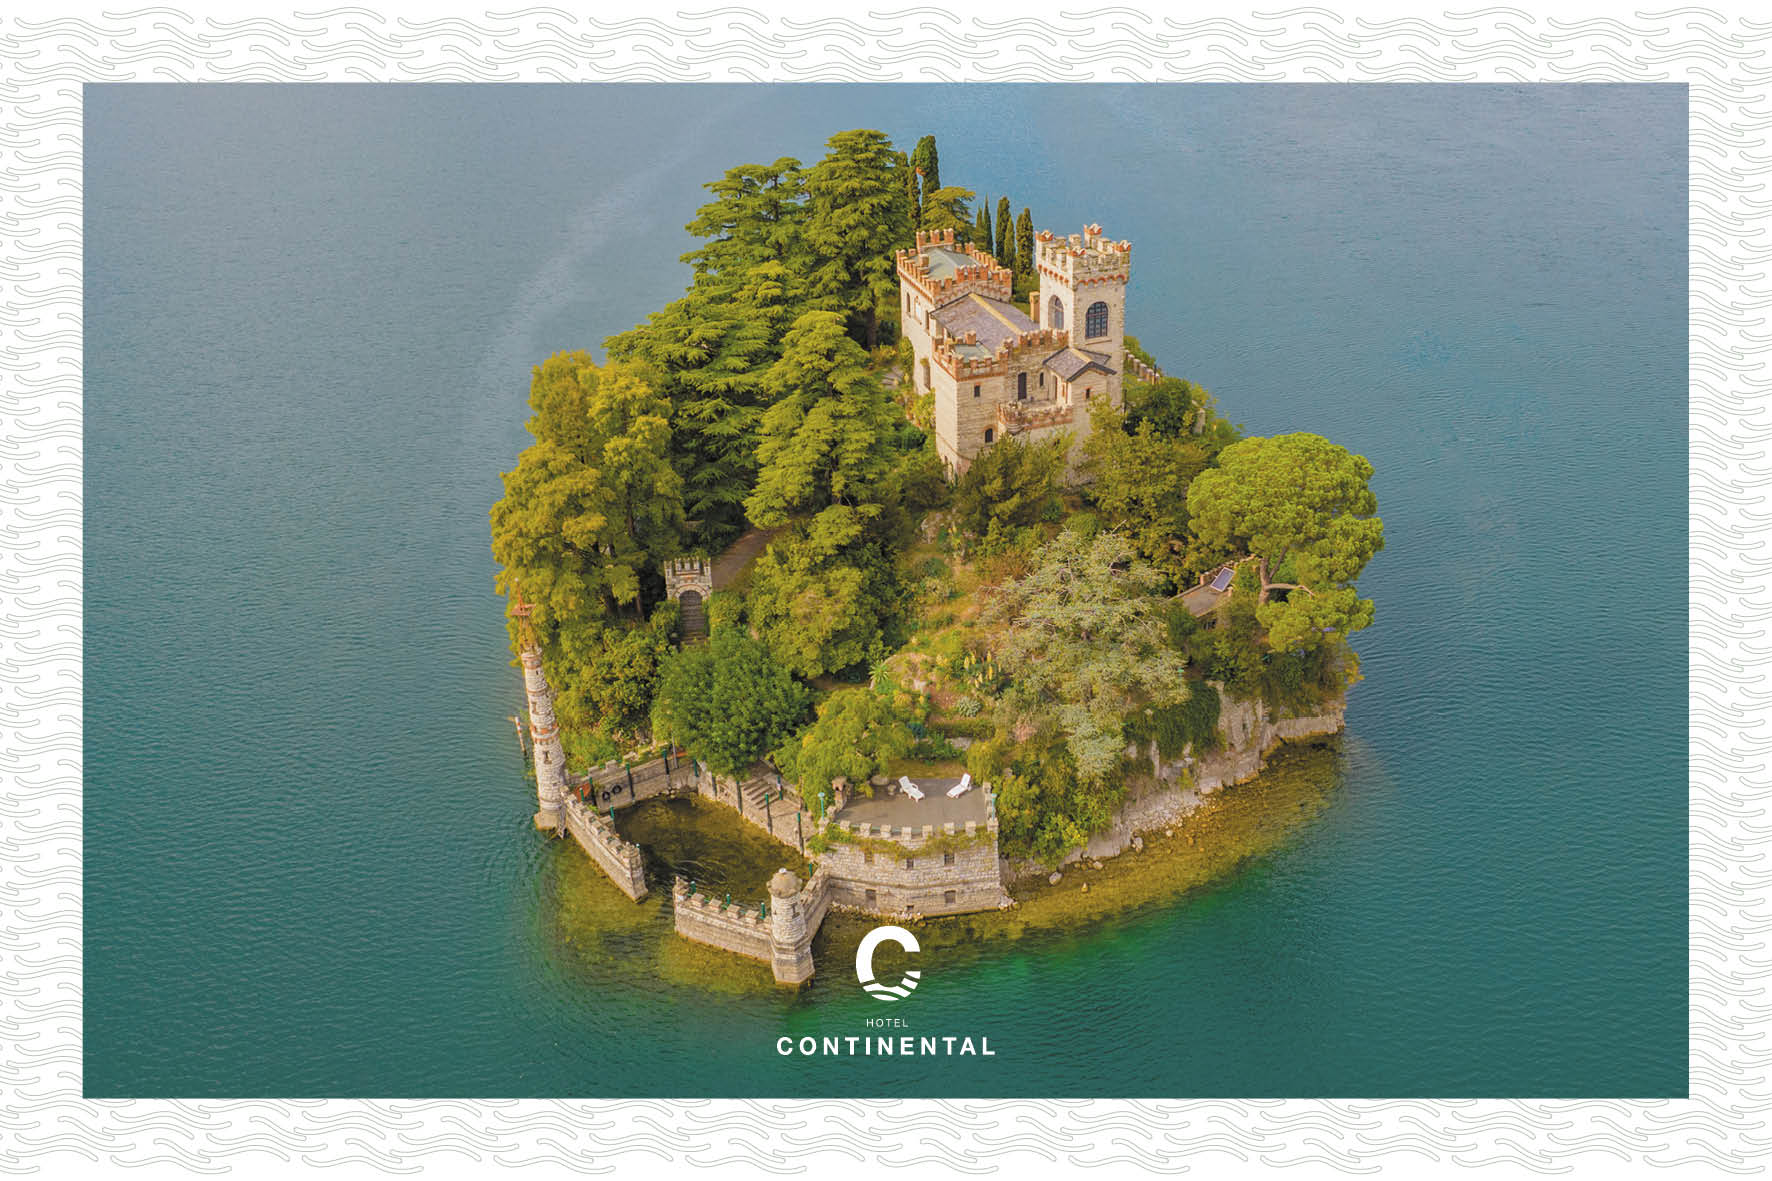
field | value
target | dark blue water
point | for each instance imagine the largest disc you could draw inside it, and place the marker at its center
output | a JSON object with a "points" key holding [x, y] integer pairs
{"points": [[310, 316]]}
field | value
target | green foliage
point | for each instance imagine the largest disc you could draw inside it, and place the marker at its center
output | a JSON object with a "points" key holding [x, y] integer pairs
{"points": [[594, 505], [1084, 642], [1010, 484], [926, 164], [968, 707], [1138, 350], [981, 225], [858, 217], [712, 347], [858, 734], [1301, 506], [605, 679], [819, 607], [1139, 481], [1024, 242], [1176, 725], [1045, 807], [819, 445], [727, 702], [1004, 243], [949, 209]]}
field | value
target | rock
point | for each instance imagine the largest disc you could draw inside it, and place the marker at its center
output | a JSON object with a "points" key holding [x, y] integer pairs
{"points": [[1095, 865], [1138, 844], [879, 780], [1055, 878], [961, 742]]}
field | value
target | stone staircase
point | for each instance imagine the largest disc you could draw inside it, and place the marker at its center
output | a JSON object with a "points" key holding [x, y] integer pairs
{"points": [[695, 618]]}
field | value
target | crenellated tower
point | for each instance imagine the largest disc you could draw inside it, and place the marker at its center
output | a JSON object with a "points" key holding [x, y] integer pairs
{"points": [[1083, 290], [548, 755]]}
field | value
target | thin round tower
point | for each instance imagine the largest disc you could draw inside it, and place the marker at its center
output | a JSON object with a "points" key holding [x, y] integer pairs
{"points": [[545, 750]]}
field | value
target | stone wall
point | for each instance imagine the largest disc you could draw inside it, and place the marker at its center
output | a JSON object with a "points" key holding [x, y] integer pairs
{"points": [[619, 859], [928, 871], [1249, 733], [736, 928]]}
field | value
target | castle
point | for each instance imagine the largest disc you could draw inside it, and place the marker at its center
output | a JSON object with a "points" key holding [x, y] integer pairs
{"points": [[997, 371]]}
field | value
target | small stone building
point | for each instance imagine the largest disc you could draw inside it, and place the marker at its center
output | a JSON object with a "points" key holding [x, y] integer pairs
{"points": [[997, 370]]}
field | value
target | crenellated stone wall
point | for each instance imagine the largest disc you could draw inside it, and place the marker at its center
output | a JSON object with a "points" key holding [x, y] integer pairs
{"points": [[619, 859], [731, 927], [1249, 732], [929, 870]]}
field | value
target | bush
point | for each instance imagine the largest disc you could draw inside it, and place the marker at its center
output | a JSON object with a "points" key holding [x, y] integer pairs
{"points": [[968, 707], [1010, 485]]}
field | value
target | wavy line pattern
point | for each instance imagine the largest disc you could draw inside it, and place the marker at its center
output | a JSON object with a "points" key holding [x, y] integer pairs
{"points": [[45, 1121]]}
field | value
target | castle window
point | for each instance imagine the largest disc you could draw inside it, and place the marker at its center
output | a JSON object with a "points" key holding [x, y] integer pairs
{"points": [[1054, 314], [867, 856], [947, 858], [989, 433], [1021, 386], [975, 390], [910, 863], [1086, 392], [1095, 321], [947, 896], [870, 897]]}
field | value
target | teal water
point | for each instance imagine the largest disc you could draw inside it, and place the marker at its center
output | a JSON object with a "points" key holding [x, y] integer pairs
{"points": [[310, 316]]}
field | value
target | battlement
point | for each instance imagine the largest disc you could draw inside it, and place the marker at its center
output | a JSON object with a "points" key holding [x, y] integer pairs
{"points": [[1082, 258], [912, 836], [941, 279], [944, 350], [1015, 417]]}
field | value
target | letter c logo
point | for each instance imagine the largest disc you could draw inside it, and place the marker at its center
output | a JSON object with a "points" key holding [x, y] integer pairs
{"points": [[864, 963]]}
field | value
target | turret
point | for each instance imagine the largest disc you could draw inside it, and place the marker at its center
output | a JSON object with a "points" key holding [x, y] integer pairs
{"points": [[548, 755], [1083, 290], [791, 946]]}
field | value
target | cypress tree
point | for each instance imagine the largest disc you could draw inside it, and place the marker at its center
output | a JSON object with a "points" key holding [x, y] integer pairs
{"points": [[982, 225], [1003, 229], [1024, 242]]}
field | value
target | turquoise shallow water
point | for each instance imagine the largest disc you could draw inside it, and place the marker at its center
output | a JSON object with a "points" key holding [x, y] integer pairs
{"points": [[310, 315]]}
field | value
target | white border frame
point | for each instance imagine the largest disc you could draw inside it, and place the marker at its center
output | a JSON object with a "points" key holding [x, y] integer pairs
{"points": [[44, 1121]]}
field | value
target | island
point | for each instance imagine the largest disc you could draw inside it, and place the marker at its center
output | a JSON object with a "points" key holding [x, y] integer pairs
{"points": [[887, 539]]}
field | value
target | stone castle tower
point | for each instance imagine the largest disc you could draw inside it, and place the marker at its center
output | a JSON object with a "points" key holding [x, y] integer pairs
{"points": [[995, 370], [545, 750]]}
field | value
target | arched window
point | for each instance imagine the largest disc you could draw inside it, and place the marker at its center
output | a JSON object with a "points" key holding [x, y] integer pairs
{"points": [[1055, 314], [1095, 321]]}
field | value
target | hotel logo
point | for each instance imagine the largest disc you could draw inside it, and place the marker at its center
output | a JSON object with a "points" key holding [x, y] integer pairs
{"points": [[864, 963]]}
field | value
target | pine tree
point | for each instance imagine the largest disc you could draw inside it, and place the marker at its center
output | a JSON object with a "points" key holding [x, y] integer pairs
{"points": [[858, 218]]}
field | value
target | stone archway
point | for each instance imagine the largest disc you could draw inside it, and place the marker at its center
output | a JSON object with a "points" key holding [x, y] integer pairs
{"points": [[695, 617]]}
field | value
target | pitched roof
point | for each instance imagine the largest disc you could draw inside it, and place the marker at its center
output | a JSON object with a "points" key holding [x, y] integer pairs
{"points": [[993, 320], [1069, 362]]}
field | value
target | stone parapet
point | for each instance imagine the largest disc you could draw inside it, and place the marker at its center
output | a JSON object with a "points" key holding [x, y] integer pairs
{"points": [[619, 859], [731, 927]]}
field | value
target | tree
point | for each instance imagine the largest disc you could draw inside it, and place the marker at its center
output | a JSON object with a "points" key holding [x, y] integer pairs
{"points": [[1139, 481], [913, 194], [1009, 485], [604, 678], [1083, 640], [926, 163], [1005, 228], [947, 209], [981, 225], [859, 733], [1024, 242], [819, 443], [858, 217], [818, 599], [727, 702], [594, 505], [1299, 505], [711, 347]]}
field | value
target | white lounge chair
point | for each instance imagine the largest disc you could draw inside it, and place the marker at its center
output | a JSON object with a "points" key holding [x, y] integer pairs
{"points": [[910, 789], [961, 788]]}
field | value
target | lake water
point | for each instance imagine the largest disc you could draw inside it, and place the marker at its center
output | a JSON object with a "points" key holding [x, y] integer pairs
{"points": [[310, 317]]}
